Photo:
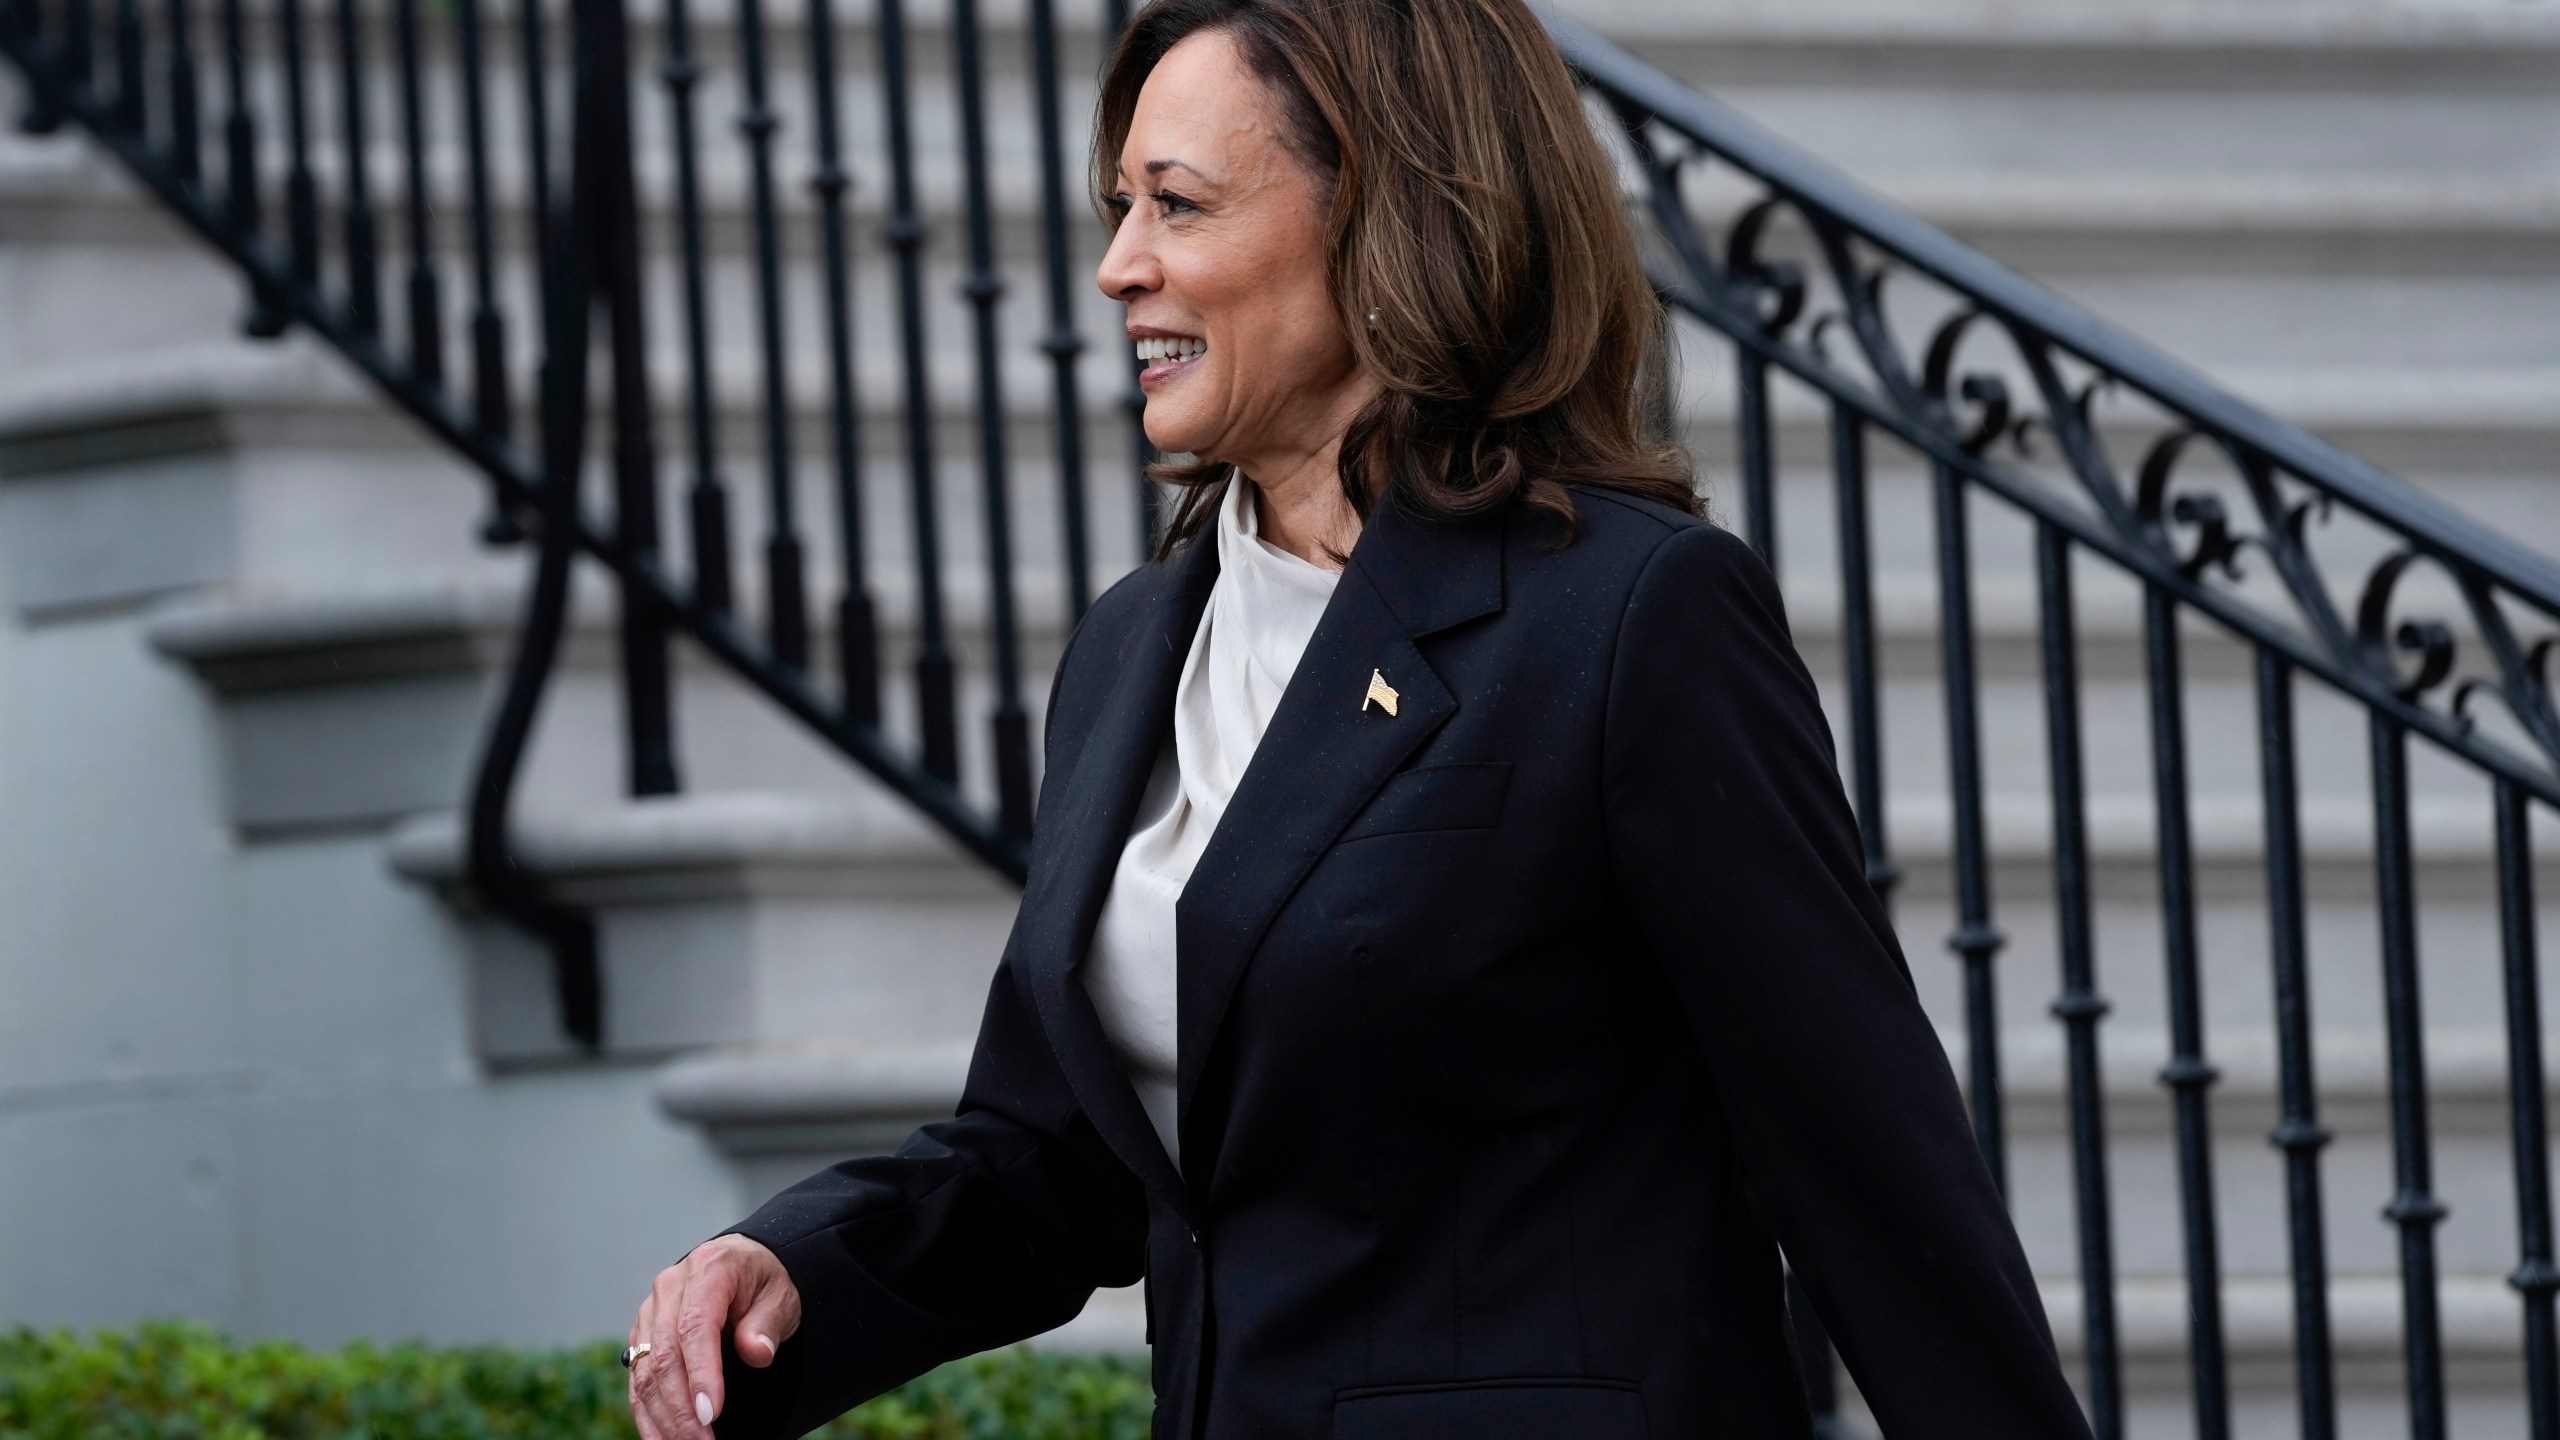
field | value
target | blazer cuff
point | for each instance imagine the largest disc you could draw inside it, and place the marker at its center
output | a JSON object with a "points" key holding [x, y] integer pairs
{"points": [[857, 1339]]}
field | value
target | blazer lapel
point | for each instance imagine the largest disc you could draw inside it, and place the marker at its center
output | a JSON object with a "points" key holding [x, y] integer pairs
{"points": [[1327, 750], [1086, 827]]}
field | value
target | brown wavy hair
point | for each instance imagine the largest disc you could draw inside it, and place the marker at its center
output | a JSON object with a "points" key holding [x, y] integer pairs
{"points": [[1518, 343]]}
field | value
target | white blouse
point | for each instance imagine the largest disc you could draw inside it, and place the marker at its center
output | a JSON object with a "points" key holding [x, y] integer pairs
{"points": [[1262, 610]]}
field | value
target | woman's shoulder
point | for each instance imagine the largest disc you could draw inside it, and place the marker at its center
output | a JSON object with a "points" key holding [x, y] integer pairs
{"points": [[1619, 537], [1098, 643]]}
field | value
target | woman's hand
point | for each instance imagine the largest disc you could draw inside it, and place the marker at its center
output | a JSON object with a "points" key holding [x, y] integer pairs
{"points": [[730, 1281]]}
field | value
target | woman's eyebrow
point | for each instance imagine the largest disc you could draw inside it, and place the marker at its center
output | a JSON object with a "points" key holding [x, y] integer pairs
{"points": [[1158, 167]]}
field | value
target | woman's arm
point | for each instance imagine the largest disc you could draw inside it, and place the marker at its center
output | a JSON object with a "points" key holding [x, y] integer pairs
{"points": [[981, 1230], [1734, 844]]}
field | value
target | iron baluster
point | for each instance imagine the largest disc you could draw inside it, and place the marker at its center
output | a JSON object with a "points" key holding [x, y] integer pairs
{"points": [[129, 108], [531, 67], [2080, 1006], [936, 705], [857, 616], [1751, 417], [243, 209], [1133, 400], [647, 658], [1975, 941], [786, 585], [2536, 1278], [706, 495], [532, 64], [2188, 1074], [364, 280], [568, 287], [301, 187], [1062, 343], [500, 527], [2414, 1209], [2298, 1133], [490, 406], [425, 293], [185, 119], [1858, 649], [24, 21], [984, 288], [80, 48]]}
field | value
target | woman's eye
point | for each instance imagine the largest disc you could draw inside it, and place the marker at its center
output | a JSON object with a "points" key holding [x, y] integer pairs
{"points": [[1170, 203]]}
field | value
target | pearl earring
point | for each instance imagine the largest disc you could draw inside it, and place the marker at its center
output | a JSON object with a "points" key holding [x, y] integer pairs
{"points": [[1373, 319]]}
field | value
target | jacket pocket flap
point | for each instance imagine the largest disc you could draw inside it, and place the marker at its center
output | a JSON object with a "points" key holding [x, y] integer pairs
{"points": [[1560, 1409], [1464, 796]]}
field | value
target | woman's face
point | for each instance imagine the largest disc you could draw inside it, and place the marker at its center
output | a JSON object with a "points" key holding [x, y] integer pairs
{"points": [[1220, 256]]}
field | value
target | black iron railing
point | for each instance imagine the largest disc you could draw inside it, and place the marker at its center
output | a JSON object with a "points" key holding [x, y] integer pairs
{"points": [[2007, 395], [2012, 399]]}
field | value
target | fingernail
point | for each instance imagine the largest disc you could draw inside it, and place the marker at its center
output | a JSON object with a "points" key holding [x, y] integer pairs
{"points": [[764, 1340], [702, 1406]]}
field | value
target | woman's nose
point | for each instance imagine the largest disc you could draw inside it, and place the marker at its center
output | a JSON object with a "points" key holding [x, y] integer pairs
{"points": [[1128, 268]]}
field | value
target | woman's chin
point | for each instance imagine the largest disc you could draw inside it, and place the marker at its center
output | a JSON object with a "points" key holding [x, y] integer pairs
{"points": [[1172, 436]]}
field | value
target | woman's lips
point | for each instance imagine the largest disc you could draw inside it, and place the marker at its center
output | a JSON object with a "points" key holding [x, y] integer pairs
{"points": [[1164, 357]]}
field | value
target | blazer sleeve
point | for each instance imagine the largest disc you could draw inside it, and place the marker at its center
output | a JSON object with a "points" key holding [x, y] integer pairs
{"points": [[984, 1229], [1737, 851]]}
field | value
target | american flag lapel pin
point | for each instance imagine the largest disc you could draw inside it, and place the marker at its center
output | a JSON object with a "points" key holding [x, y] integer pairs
{"points": [[1380, 692]]}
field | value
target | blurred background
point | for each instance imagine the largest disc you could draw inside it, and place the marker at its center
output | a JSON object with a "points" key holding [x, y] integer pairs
{"points": [[392, 945]]}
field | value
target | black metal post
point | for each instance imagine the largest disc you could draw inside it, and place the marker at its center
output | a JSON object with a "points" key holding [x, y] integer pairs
{"points": [[2080, 1006], [2298, 1133], [2536, 1278], [2414, 1208], [984, 288], [707, 495], [425, 293], [857, 616], [1975, 941], [2188, 1074], [936, 702], [786, 585]]}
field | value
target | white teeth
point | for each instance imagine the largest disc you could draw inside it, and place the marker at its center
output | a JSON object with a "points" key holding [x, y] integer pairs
{"points": [[1155, 348]]}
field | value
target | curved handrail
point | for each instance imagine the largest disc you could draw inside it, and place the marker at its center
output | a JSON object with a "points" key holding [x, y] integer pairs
{"points": [[1822, 188]]}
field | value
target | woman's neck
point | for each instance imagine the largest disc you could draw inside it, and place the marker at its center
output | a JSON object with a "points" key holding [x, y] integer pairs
{"points": [[1301, 509]]}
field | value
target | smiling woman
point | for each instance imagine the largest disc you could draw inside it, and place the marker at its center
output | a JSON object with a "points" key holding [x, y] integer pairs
{"points": [[1447, 973], [1387, 234]]}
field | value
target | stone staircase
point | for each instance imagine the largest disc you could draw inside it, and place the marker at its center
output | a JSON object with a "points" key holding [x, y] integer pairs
{"points": [[269, 1026]]}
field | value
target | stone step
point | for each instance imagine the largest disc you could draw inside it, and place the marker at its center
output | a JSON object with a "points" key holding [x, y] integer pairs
{"points": [[302, 483], [725, 919], [2483, 1347], [294, 664], [2458, 941], [2238, 276], [2370, 223]]}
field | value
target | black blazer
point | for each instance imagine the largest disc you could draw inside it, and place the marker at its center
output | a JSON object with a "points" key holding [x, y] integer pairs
{"points": [[1519, 1028]]}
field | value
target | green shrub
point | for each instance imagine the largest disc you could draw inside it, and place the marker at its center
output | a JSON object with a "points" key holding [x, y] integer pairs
{"points": [[168, 1380]]}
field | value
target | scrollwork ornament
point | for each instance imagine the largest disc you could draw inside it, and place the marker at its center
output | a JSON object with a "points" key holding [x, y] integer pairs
{"points": [[2382, 641], [2522, 683], [1817, 336], [1771, 290], [1985, 394], [2164, 512]]}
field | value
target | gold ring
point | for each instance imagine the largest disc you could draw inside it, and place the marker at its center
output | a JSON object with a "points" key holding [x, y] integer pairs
{"points": [[631, 1354]]}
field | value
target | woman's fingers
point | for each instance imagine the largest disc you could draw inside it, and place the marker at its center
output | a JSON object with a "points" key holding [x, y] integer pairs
{"points": [[700, 1317], [772, 1313], [677, 1389], [642, 1327], [664, 1388]]}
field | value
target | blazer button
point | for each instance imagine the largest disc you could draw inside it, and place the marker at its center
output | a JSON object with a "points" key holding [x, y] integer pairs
{"points": [[1193, 1233]]}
